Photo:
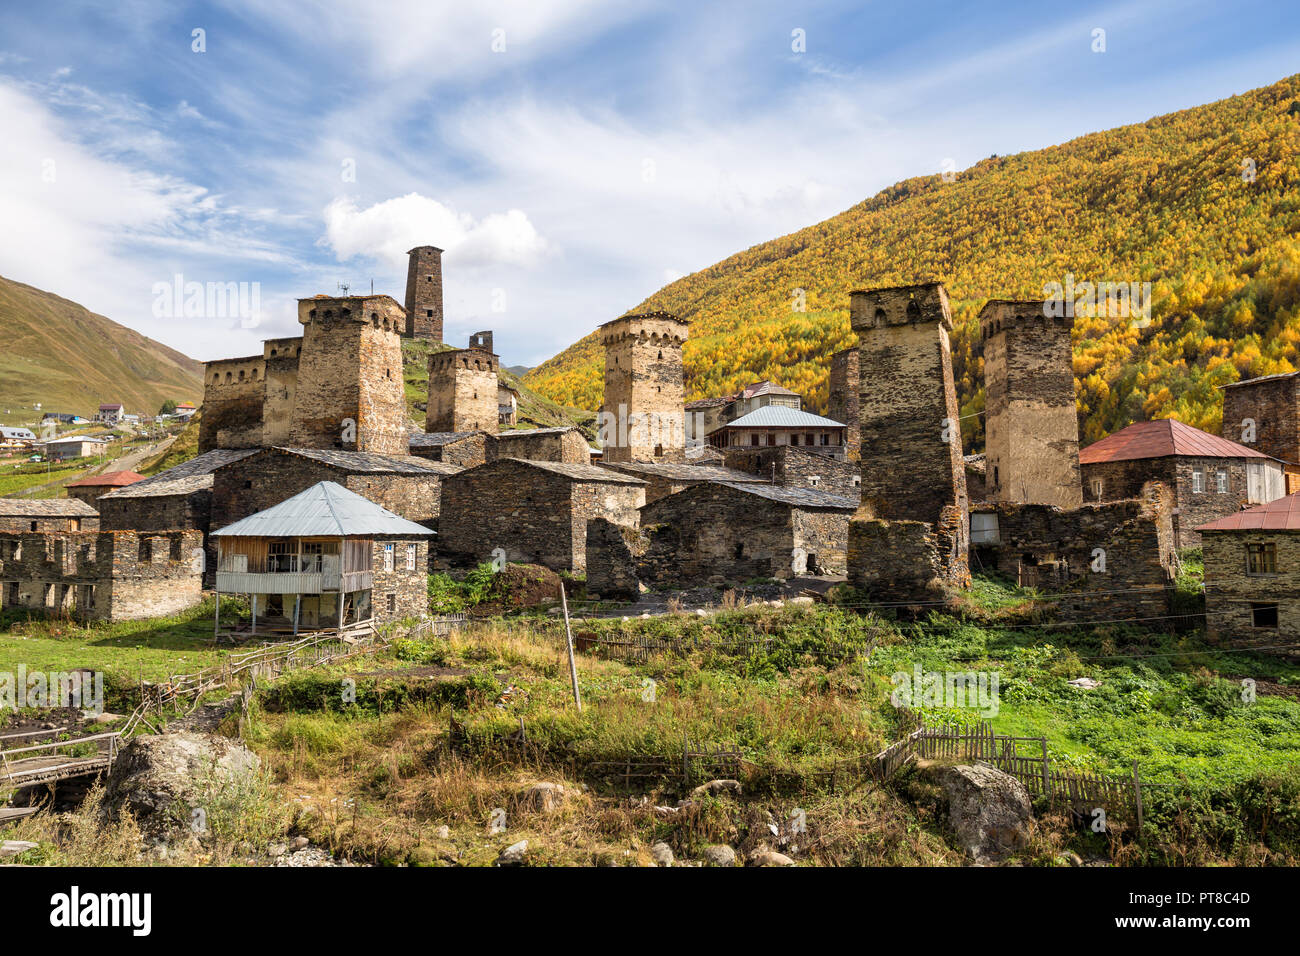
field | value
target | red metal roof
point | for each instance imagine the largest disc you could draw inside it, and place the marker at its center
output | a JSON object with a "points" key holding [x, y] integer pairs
{"points": [[1160, 439], [1280, 515], [112, 479]]}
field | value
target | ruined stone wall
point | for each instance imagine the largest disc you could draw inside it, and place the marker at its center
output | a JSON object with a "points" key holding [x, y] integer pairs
{"points": [[845, 393], [1113, 560], [280, 360], [462, 392], [350, 371], [1031, 422], [1274, 406], [233, 393], [568, 446], [190, 511], [794, 467], [463, 452], [108, 576], [613, 560], [644, 392], [1230, 590], [409, 588], [424, 293], [19, 523], [900, 560]]}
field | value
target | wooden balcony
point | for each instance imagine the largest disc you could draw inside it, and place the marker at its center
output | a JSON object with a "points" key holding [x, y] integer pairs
{"points": [[293, 582]]}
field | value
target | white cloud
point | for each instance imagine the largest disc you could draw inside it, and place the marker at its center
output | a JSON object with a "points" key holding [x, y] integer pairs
{"points": [[386, 230]]}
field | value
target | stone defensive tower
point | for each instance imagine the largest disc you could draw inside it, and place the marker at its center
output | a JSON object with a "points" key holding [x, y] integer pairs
{"points": [[643, 413], [843, 404], [463, 388], [349, 388], [1031, 425], [912, 533], [424, 293]]}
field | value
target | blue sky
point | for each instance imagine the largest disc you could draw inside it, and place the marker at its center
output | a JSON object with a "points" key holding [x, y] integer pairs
{"points": [[601, 150]]}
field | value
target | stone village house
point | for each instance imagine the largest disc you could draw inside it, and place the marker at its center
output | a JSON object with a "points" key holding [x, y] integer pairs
{"points": [[47, 514], [324, 558], [1211, 477]]}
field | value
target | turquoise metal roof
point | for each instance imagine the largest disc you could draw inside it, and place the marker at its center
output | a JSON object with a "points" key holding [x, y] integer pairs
{"points": [[778, 416], [326, 509]]}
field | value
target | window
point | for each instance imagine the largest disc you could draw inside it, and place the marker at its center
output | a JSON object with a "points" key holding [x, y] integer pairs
{"points": [[857, 481], [1198, 480], [1098, 487], [814, 480], [794, 438], [392, 603], [826, 438], [388, 557], [281, 557], [410, 557], [33, 525], [739, 551], [428, 313], [1221, 481], [753, 440], [1263, 615], [983, 527], [1261, 559]]}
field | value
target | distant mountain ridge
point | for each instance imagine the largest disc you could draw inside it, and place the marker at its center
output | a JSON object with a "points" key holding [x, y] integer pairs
{"points": [[69, 359], [1204, 204]]}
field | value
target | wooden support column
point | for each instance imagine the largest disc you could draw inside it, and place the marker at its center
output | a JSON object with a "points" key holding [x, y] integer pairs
{"points": [[254, 613], [297, 603]]}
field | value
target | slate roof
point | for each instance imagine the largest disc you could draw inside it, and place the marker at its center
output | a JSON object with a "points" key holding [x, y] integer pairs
{"points": [[1280, 515], [185, 478], [766, 388], [778, 416], [1262, 378], [365, 462], [795, 497], [574, 472], [437, 439], [678, 470], [524, 432], [325, 509], [46, 508], [1160, 439], [713, 402], [111, 479]]}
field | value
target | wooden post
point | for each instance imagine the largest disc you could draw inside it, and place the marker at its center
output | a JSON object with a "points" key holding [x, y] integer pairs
{"points": [[1137, 796], [1047, 774], [254, 613], [297, 603], [216, 620], [568, 632]]}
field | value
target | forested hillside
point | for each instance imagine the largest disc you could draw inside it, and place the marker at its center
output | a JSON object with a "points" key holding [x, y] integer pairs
{"points": [[1172, 201]]}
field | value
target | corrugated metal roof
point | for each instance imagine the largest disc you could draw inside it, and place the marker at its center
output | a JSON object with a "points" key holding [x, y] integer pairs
{"points": [[1160, 439], [778, 416], [796, 497], [46, 508], [1280, 515], [325, 509], [112, 479]]}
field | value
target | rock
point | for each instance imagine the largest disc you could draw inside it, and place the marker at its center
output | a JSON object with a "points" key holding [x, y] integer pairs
{"points": [[541, 797], [276, 850], [1086, 683], [662, 854], [769, 858], [103, 717], [719, 855], [514, 854], [299, 843], [14, 847], [443, 832], [716, 788], [1073, 858], [802, 601], [987, 809], [161, 779]]}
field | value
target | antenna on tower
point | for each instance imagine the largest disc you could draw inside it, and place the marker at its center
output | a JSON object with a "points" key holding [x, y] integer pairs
{"points": [[343, 287]]}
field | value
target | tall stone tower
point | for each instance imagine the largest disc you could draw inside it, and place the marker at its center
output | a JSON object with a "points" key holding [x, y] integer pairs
{"points": [[463, 388], [1031, 425], [424, 293], [912, 534], [643, 413], [349, 390], [842, 405]]}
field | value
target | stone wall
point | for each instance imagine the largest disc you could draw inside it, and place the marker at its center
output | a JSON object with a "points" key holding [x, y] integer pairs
{"points": [[464, 449], [644, 394], [1030, 419], [280, 388], [462, 391], [350, 393], [107, 576], [233, 395], [1230, 591], [1274, 406], [1111, 560], [408, 588], [845, 391], [566, 445], [424, 293], [42, 523], [1125, 479], [792, 467], [533, 512]]}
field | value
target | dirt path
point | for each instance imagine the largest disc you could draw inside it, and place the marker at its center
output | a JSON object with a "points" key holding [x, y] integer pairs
{"points": [[127, 462]]}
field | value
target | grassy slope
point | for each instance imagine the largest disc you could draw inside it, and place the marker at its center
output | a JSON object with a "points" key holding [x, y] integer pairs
{"points": [[69, 359], [1162, 201]]}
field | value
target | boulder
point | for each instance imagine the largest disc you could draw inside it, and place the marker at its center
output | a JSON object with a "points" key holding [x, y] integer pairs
{"points": [[769, 858], [719, 855], [662, 854], [716, 788], [987, 809], [514, 854], [161, 779], [541, 797]]}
